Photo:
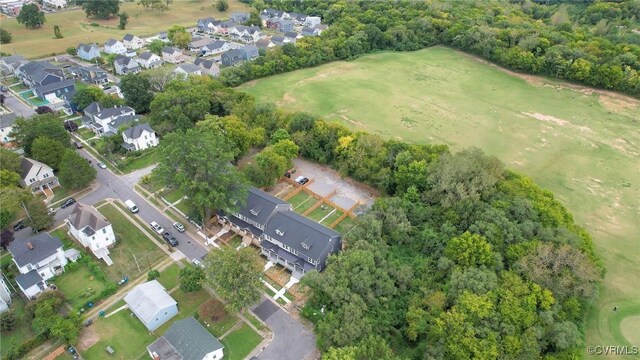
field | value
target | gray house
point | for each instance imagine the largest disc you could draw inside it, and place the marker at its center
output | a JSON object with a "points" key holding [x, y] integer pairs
{"points": [[125, 65], [208, 67], [9, 64], [39, 73], [186, 339], [232, 57], [239, 17], [151, 303], [250, 52], [207, 24], [62, 89], [88, 51], [91, 74]]}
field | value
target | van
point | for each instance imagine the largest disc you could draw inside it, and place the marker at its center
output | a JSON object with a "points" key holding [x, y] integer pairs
{"points": [[131, 206]]}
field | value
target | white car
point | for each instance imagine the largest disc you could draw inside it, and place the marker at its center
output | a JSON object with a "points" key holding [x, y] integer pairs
{"points": [[102, 165], [178, 226], [197, 262], [157, 228]]}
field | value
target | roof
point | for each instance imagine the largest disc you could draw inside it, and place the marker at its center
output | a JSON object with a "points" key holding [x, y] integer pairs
{"points": [[263, 43], [233, 53], [121, 121], [86, 216], [92, 108], [129, 37], [291, 34], [32, 67], [7, 120], [136, 131], [191, 339], [27, 164], [55, 86], [163, 348], [87, 47], [147, 55], [111, 42], [44, 245], [188, 68], [12, 59], [148, 299], [294, 230], [260, 205], [113, 111], [205, 63], [215, 44], [169, 50], [126, 61], [29, 279]]}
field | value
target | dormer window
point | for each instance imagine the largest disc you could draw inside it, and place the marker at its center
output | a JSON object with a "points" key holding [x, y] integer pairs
{"points": [[255, 211], [281, 231], [306, 244]]}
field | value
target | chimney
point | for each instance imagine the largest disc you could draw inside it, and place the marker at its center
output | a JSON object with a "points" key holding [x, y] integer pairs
{"points": [[155, 356], [30, 245]]}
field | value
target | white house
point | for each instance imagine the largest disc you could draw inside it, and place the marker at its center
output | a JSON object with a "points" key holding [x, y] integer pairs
{"points": [[107, 121], [37, 176], [152, 304], [208, 67], [38, 258], [312, 21], [186, 339], [188, 69], [132, 42], [6, 127], [216, 47], [115, 47], [92, 230], [5, 295], [139, 137], [54, 4], [125, 65], [172, 55], [149, 60]]}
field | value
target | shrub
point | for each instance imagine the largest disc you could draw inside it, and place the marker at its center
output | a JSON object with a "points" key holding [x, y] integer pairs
{"points": [[7, 320], [191, 279], [94, 24], [153, 274]]}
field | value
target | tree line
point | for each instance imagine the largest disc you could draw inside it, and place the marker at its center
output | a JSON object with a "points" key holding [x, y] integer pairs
{"points": [[596, 43]]}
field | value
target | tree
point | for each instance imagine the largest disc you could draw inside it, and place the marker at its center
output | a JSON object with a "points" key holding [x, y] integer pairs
{"points": [[124, 19], [38, 215], [43, 109], [5, 36], [72, 51], [67, 328], [7, 320], [101, 9], [470, 250], [48, 151], [75, 171], [254, 20], [57, 33], [222, 5], [10, 161], [198, 162], [11, 199], [9, 178], [85, 95], [6, 237], [181, 104], [160, 77], [156, 46], [181, 39], [137, 91], [235, 276], [48, 125], [274, 160], [31, 16], [191, 278], [173, 30]]}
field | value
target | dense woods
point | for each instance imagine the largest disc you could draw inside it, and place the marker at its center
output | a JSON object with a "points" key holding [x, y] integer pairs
{"points": [[594, 43]]}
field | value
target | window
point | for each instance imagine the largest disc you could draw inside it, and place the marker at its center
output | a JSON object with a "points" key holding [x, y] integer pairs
{"points": [[32, 180], [104, 231], [280, 232], [45, 175]]}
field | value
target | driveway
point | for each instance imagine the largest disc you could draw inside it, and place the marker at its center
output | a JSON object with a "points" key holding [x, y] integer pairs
{"points": [[17, 106], [291, 340]]}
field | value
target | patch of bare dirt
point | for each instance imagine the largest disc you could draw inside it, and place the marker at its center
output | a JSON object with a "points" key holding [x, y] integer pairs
{"points": [[87, 338], [556, 121]]}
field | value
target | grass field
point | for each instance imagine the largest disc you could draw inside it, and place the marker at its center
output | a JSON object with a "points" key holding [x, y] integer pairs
{"points": [[581, 144], [169, 277], [302, 201], [124, 333], [239, 343], [76, 27], [74, 283]]}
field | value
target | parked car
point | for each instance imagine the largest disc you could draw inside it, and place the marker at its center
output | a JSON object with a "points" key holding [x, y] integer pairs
{"points": [[19, 226], [69, 202], [102, 165], [157, 228], [78, 144], [170, 239], [298, 179], [197, 262], [4, 88], [178, 227], [304, 181], [131, 206]]}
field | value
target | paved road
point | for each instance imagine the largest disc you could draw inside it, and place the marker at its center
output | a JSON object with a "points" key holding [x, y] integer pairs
{"points": [[291, 340], [17, 106]]}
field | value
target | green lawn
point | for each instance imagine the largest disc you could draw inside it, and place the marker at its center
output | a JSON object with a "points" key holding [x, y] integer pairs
{"points": [[173, 195], [320, 213], [79, 284], [580, 144], [187, 306], [134, 254], [185, 206], [302, 201], [239, 343], [235, 241], [124, 333], [85, 133], [21, 331], [169, 277], [331, 218], [253, 320], [75, 26], [344, 226], [146, 159]]}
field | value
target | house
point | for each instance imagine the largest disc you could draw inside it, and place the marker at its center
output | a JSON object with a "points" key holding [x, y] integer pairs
{"points": [[37, 176], [115, 47], [198, 42], [216, 47], [188, 69], [207, 24], [223, 27], [239, 17], [297, 18], [88, 52], [250, 52], [312, 21], [139, 137], [186, 339], [208, 67], [278, 40], [39, 73], [163, 36], [9, 64], [107, 121], [38, 258], [92, 230], [291, 37], [6, 126], [309, 31], [56, 93], [298, 243], [172, 55], [12, 7], [251, 220], [149, 60], [5, 294], [151, 304], [232, 57], [91, 74], [270, 13], [247, 34], [54, 4], [282, 25], [321, 28], [125, 65], [132, 42], [263, 43]]}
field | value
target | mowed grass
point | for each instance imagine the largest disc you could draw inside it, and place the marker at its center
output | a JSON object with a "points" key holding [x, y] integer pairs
{"points": [[302, 201], [582, 145], [239, 343], [75, 283], [76, 27], [169, 277], [126, 335]]}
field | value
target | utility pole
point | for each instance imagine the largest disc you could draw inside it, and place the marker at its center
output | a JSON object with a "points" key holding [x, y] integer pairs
{"points": [[29, 216]]}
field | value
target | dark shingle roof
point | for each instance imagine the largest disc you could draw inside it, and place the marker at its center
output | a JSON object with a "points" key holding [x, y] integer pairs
{"points": [[29, 279], [92, 108], [7, 119], [291, 34], [114, 111], [260, 205], [126, 61], [205, 63], [87, 47], [87, 216], [146, 55], [191, 339], [188, 68], [128, 37], [111, 42], [56, 85], [294, 230], [169, 50], [135, 131], [44, 245]]}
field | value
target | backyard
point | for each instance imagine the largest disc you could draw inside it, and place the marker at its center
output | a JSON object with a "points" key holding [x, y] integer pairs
{"points": [[21, 331], [580, 143], [302, 201], [170, 276], [126, 335], [76, 28], [79, 284], [239, 343]]}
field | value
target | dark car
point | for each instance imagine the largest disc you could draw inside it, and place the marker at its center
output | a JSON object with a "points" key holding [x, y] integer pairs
{"points": [[78, 144], [170, 239], [69, 202], [303, 181], [19, 226]]}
